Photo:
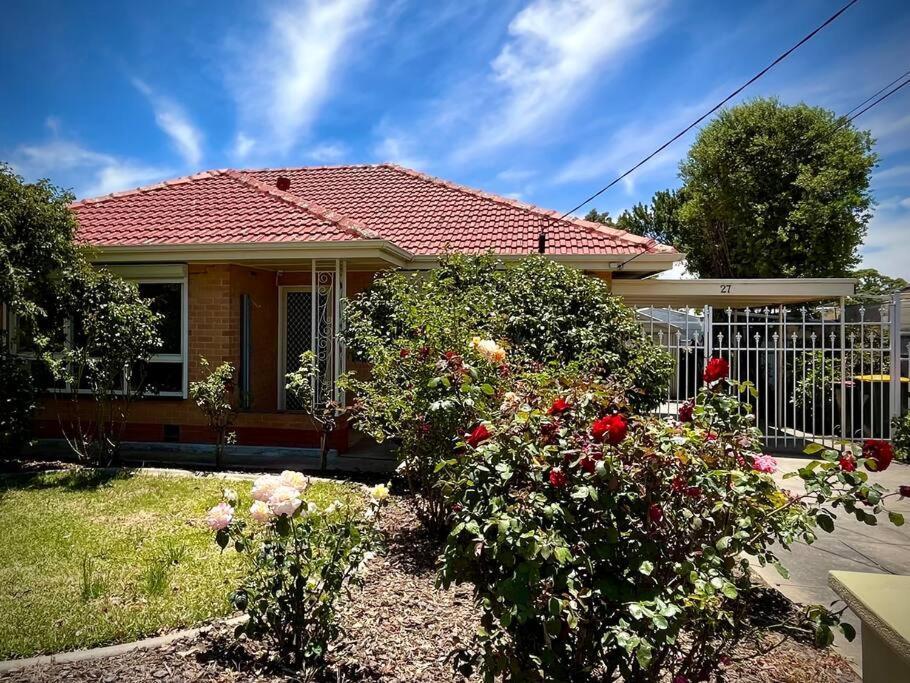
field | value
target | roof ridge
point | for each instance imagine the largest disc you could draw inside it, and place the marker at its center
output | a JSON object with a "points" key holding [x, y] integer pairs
{"points": [[342, 221], [148, 188], [648, 243]]}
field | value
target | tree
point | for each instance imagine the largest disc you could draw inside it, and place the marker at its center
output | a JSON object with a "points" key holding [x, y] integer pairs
{"points": [[36, 250], [596, 216], [213, 394], [315, 397], [769, 190], [659, 220], [114, 333], [872, 283]]}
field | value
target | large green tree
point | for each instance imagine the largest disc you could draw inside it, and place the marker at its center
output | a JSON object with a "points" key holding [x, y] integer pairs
{"points": [[769, 190], [36, 251]]}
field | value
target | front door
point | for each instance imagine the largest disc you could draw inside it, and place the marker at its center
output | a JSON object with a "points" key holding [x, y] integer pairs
{"points": [[301, 330]]}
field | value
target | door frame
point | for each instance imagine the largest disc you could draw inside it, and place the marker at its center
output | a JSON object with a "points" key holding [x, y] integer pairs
{"points": [[283, 291]]}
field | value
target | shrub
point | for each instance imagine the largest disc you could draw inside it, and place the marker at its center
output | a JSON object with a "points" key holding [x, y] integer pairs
{"points": [[315, 398], [900, 437], [601, 543], [213, 395], [432, 381], [17, 400], [300, 560]]}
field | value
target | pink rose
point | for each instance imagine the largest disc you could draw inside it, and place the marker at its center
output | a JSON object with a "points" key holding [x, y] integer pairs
{"points": [[764, 463], [219, 516]]}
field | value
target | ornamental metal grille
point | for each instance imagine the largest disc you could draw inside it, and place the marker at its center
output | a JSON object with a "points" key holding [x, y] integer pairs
{"points": [[300, 337], [823, 373]]}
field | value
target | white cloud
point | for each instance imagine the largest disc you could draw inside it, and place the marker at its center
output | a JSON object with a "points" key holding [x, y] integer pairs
{"points": [[90, 173], [243, 145], [887, 244], [281, 81], [173, 120], [397, 149], [554, 48], [895, 175], [327, 152], [629, 144]]}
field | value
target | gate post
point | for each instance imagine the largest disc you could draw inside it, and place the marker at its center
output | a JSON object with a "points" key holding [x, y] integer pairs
{"points": [[843, 369], [709, 333], [895, 364]]}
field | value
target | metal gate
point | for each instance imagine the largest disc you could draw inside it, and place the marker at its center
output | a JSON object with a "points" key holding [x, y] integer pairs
{"points": [[823, 372]]}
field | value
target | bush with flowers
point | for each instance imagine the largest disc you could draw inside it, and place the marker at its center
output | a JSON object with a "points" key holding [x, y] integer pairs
{"points": [[600, 542], [300, 559], [445, 347]]}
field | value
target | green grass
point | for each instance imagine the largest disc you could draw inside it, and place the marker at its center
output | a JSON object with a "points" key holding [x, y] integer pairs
{"points": [[88, 559]]}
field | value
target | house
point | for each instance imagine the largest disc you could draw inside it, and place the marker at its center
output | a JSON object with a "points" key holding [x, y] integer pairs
{"points": [[252, 267]]}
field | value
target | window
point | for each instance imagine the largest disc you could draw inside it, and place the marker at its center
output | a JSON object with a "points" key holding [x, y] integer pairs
{"points": [[165, 373]]}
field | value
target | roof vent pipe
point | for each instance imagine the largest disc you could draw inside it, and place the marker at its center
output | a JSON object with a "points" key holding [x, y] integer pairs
{"points": [[542, 242], [283, 183]]}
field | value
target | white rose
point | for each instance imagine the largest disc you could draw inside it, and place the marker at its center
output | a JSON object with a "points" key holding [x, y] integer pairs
{"points": [[260, 512], [285, 500], [219, 516], [295, 480], [264, 486]]}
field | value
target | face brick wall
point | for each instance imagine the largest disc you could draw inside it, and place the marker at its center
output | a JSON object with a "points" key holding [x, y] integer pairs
{"points": [[214, 293]]}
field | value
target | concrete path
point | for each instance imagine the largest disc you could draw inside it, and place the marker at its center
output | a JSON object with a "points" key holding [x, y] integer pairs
{"points": [[853, 546]]}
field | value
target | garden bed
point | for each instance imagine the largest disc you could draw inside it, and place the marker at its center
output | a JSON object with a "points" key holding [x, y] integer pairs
{"points": [[93, 557], [400, 627]]}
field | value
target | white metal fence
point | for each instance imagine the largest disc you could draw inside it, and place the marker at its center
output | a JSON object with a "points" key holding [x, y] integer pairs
{"points": [[823, 373]]}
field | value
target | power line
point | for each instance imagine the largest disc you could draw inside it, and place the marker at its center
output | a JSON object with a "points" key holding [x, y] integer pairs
{"points": [[843, 121], [701, 118], [879, 100]]}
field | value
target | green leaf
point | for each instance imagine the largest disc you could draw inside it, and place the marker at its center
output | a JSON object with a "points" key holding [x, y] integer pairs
{"points": [[781, 569], [897, 519], [646, 567], [730, 591], [826, 522], [487, 389], [813, 448], [848, 631]]}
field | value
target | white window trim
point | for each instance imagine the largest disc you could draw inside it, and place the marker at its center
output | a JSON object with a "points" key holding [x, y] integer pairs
{"points": [[136, 275]]}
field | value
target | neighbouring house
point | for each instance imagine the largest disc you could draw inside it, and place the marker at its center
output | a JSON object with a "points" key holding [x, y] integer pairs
{"points": [[252, 267]]}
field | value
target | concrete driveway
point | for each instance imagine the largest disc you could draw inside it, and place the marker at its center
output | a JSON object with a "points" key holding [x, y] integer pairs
{"points": [[853, 546]]}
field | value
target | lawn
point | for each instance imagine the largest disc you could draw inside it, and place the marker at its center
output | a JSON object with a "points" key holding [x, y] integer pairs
{"points": [[89, 558]]}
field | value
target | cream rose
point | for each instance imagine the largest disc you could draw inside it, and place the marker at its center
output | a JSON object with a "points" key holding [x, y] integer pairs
{"points": [[260, 512], [295, 480], [264, 486], [285, 500]]}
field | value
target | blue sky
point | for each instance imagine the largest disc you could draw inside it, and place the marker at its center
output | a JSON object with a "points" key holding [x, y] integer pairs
{"points": [[543, 100]]}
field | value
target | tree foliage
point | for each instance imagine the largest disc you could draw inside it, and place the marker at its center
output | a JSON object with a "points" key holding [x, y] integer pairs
{"points": [[213, 395], [114, 333], [769, 190], [875, 284], [36, 250]]}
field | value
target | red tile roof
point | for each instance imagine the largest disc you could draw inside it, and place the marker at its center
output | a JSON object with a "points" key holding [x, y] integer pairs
{"points": [[420, 214]]}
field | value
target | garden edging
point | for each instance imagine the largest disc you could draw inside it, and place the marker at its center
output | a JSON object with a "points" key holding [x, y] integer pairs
{"points": [[10, 665]]}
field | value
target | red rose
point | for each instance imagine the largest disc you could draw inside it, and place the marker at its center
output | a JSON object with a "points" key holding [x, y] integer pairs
{"points": [[717, 368], [878, 453], [847, 463], [478, 435], [655, 513], [904, 491], [694, 492], [559, 406], [610, 428], [685, 411], [678, 484], [558, 478], [588, 464]]}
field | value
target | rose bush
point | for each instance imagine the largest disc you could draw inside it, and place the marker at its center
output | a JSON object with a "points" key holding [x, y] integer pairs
{"points": [[445, 347], [600, 542], [900, 437], [300, 559]]}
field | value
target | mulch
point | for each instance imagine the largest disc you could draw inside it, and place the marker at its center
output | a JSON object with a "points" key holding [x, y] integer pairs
{"points": [[399, 628]]}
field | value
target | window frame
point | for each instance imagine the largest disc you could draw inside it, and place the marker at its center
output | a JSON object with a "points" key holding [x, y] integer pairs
{"points": [[137, 275]]}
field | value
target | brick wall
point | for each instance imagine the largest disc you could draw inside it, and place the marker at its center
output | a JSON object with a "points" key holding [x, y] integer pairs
{"points": [[213, 293]]}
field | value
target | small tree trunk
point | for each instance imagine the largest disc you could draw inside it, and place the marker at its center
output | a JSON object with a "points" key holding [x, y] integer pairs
{"points": [[323, 450]]}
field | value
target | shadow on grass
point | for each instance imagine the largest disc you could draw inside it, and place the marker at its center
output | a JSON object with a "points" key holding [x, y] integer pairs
{"points": [[74, 480]]}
